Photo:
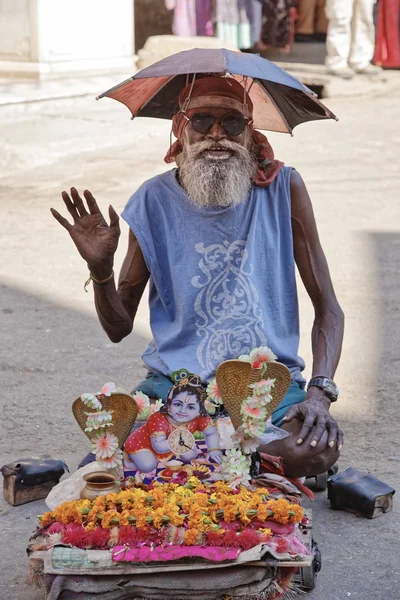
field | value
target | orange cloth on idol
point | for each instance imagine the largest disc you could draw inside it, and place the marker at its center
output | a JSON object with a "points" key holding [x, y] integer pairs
{"points": [[159, 423], [267, 167]]}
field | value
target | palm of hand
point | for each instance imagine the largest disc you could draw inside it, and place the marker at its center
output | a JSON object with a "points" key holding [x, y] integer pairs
{"points": [[95, 241]]}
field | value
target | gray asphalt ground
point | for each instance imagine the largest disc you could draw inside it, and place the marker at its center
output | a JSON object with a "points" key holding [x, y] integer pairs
{"points": [[53, 349]]}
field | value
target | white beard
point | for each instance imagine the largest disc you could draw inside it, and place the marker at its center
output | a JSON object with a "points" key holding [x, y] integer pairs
{"points": [[216, 182]]}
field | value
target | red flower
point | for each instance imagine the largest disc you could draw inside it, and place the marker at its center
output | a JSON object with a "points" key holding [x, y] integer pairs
{"points": [[248, 539], [75, 535], [281, 545], [97, 538], [56, 528]]}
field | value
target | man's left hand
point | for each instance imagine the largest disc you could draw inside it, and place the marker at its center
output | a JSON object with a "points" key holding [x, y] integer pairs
{"points": [[316, 418]]}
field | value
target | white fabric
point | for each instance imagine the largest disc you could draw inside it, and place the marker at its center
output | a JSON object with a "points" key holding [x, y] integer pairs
{"points": [[70, 489], [351, 33]]}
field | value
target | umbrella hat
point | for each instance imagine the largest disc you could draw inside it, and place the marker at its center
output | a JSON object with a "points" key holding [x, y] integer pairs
{"points": [[281, 102]]}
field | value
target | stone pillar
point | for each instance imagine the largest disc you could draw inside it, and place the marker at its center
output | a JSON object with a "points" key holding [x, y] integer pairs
{"points": [[65, 38]]}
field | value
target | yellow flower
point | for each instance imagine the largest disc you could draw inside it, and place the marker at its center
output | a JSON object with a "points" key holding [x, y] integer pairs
{"points": [[265, 531], [112, 497], [140, 516], [201, 500], [107, 517], [185, 504], [262, 491], [68, 512], [83, 504], [190, 537], [195, 483], [92, 516], [90, 526], [284, 511], [245, 493], [123, 518], [298, 513], [158, 496], [157, 516], [262, 512], [223, 487], [125, 499], [46, 519], [172, 512], [230, 511], [243, 516]]}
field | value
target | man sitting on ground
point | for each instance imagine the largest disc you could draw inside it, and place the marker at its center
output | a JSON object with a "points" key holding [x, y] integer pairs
{"points": [[219, 239]]}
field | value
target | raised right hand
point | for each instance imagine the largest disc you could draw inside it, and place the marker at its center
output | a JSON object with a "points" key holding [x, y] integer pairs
{"points": [[95, 240]]}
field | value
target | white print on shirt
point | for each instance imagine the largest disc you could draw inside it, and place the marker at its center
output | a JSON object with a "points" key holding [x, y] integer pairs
{"points": [[229, 319]]}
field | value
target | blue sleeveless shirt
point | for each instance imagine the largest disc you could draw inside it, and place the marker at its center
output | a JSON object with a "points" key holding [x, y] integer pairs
{"points": [[222, 279]]}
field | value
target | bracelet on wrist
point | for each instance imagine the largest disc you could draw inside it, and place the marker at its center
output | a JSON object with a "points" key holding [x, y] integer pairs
{"points": [[98, 281], [212, 449]]}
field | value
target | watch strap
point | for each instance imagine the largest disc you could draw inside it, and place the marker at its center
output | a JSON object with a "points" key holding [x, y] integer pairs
{"points": [[318, 382]]}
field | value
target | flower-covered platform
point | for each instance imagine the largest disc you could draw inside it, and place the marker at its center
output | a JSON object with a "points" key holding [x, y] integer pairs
{"points": [[190, 515]]}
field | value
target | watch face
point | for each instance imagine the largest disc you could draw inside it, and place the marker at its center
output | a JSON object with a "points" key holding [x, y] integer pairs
{"points": [[332, 389], [181, 441]]}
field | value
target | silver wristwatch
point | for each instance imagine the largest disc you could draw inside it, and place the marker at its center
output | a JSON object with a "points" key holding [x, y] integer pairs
{"points": [[328, 386]]}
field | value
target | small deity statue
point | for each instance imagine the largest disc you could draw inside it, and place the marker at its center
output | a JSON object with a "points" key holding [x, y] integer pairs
{"points": [[169, 432]]}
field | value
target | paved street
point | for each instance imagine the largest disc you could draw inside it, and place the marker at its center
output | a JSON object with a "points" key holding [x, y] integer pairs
{"points": [[53, 349]]}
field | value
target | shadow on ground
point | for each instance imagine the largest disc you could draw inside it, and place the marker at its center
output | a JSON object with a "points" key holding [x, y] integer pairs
{"points": [[363, 552], [49, 355]]}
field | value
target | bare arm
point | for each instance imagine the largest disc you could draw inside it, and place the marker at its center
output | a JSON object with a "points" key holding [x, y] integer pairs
{"points": [[116, 308], [96, 242], [328, 327]]}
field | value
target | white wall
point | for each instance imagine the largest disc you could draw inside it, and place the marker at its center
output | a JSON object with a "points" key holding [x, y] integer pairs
{"points": [[15, 29], [84, 29], [50, 37]]}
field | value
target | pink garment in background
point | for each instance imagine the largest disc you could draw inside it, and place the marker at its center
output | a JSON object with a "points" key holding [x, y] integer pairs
{"points": [[191, 17], [147, 554], [204, 24]]}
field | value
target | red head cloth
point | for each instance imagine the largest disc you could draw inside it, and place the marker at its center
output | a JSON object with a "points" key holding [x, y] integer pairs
{"points": [[224, 93]]}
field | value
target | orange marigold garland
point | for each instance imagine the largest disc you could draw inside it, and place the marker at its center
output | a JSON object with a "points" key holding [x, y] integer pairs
{"points": [[205, 513]]}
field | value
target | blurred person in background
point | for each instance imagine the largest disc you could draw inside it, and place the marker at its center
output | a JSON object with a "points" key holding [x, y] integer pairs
{"points": [[387, 45], [238, 22], [278, 18], [191, 17], [351, 38], [312, 23]]}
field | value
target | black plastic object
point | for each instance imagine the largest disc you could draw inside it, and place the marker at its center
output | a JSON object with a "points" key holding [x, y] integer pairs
{"points": [[34, 471], [255, 464], [360, 492]]}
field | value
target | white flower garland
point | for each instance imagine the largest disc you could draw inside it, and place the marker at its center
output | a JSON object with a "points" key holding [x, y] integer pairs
{"points": [[145, 408], [104, 445], [236, 463]]}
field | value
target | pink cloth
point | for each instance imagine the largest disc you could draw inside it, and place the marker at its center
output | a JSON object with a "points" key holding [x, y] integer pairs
{"points": [[191, 17], [147, 554]]}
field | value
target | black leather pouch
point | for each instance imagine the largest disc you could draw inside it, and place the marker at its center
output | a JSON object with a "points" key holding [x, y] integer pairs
{"points": [[360, 492], [31, 479]]}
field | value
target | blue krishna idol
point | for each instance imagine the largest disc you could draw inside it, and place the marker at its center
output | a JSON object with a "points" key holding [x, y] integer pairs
{"points": [[166, 443]]}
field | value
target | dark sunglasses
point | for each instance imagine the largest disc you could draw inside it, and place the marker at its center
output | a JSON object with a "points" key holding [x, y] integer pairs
{"points": [[233, 124]]}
